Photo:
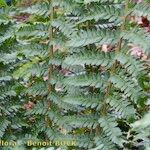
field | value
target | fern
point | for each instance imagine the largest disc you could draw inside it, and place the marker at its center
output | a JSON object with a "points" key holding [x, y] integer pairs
{"points": [[38, 9], [138, 37], [86, 101], [134, 67], [110, 129], [106, 12], [142, 128], [10, 103], [123, 107], [99, 37], [103, 143], [57, 82], [127, 86], [141, 10], [90, 57], [4, 125]]}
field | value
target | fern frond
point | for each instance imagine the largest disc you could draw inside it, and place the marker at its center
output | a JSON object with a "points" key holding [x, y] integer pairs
{"points": [[142, 129], [5, 78], [138, 37], [142, 9], [30, 68], [90, 58], [126, 85], [69, 7], [81, 121], [38, 109], [62, 104], [107, 12], [37, 89], [66, 27], [9, 34], [93, 36], [122, 106], [35, 31], [4, 19], [8, 58], [33, 49], [6, 92], [3, 126], [134, 67], [104, 143], [110, 128], [41, 9], [93, 80], [88, 101]]}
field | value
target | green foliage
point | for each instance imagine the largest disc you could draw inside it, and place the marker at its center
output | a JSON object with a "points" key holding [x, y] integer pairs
{"points": [[3, 3], [57, 82], [138, 37], [110, 128], [90, 58], [93, 36], [10, 101], [142, 129], [142, 10]]}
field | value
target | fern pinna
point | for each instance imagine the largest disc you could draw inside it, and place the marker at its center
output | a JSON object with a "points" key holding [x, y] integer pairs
{"points": [[80, 81]]}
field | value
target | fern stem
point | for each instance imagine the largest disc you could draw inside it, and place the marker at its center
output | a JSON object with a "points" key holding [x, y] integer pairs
{"points": [[50, 69]]}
